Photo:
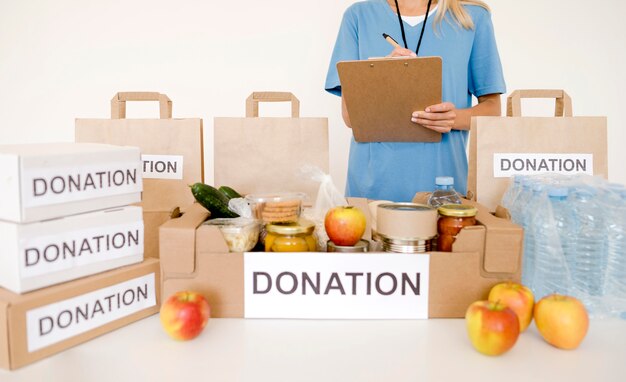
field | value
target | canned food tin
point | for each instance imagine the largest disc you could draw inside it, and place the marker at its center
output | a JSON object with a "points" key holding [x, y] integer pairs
{"points": [[361, 246]]}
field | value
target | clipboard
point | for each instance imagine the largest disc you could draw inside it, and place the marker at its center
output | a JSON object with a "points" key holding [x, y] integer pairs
{"points": [[382, 93]]}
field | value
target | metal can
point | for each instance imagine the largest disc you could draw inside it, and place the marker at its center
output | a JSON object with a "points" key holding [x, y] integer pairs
{"points": [[361, 246], [407, 227]]}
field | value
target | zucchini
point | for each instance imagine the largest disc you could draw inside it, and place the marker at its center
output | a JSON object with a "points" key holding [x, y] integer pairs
{"points": [[229, 192], [213, 200]]}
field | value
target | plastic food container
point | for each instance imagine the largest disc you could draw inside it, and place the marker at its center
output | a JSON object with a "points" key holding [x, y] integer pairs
{"points": [[241, 234], [278, 207], [453, 218], [291, 237]]}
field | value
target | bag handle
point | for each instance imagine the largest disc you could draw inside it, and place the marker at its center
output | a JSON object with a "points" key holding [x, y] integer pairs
{"points": [[118, 103], [563, 105], [252, 102]]}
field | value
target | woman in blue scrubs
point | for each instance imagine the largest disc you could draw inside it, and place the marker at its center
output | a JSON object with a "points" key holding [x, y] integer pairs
{"points": [[461, 33]]}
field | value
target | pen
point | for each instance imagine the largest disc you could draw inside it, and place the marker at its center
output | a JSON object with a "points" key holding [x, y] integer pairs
{"points": [[390, 40]]}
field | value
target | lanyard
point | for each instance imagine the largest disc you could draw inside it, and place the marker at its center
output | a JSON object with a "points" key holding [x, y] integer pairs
{"points": [[419, 42]]}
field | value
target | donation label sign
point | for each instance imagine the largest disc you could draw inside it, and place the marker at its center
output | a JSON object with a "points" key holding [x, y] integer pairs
{"points": [[336, 286], [506, 165], [162, 166]]}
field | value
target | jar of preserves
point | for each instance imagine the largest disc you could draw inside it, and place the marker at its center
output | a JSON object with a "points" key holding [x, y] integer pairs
{"points": [[453, 218], [290, 237]]}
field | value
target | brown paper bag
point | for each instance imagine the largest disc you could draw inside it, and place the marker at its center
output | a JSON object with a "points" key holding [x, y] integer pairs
{"points": [[501, 147], [171, 150], [255, 154]]}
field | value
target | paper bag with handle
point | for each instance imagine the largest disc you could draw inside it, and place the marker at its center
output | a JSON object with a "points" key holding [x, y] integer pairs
{"points": [[171, 150], [265, 154], [501, 147]]}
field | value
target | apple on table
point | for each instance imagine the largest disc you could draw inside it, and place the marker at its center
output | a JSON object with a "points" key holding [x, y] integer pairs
{"points": [[517, 297], [561, 320], [184, 315], [493, 328]]}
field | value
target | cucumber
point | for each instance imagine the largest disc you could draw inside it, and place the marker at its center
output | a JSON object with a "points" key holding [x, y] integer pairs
{"points": [[213, 200], [229, 192]]}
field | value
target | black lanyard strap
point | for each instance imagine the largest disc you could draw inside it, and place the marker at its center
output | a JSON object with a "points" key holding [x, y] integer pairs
{"points": [[419, 42]]}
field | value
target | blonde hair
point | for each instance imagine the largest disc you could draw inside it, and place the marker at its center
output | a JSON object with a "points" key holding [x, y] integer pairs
{"points": [[459, 14]]}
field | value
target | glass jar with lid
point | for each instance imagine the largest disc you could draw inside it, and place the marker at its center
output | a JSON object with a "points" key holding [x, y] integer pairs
{"points": [[290, 237], [452, 219]]}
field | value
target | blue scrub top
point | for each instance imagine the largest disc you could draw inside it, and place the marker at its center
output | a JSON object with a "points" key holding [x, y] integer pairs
{"points": [[471, 66]]}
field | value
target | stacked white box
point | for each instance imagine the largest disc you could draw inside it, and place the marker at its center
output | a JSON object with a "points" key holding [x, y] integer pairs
{"points": [[35, 255], [46, 181], [64, 212]]}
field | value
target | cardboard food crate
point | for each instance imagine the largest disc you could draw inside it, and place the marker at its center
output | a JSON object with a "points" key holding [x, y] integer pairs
{"points": [[195, 256], [47, 181], [40, 254], [41, 323]]}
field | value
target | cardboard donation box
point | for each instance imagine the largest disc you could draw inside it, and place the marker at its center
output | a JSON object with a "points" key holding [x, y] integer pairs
{"points": [[338, 285], [47, 181], [502, 147], [36, 255], [171, 155], [41, 323], [266, 154]]}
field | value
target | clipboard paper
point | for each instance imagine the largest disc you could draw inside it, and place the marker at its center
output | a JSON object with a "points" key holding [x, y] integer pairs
{"points": [[381, 94]]}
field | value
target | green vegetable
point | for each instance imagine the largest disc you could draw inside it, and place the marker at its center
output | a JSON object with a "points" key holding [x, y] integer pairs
{"points": [[213, 200], [229, 192]]}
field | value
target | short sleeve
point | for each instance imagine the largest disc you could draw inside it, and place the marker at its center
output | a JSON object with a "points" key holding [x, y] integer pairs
{"points": [[485, 68], [346, 48]]}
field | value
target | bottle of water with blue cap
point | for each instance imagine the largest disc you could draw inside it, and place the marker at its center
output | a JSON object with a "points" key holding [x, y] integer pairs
{"points": [[444, 192], [527, 217], [518, 208], [616, 262], [589, 247], [552, 225], [512, 192]]}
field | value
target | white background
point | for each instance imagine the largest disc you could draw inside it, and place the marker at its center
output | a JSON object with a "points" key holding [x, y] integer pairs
{"points": [[64, 59]]}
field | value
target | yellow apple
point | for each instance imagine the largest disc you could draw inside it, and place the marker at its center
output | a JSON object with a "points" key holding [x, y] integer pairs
{"points": [[517, 297], [493, 328], [562, 320]]}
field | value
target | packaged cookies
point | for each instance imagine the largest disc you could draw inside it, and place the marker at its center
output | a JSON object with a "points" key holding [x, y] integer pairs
{"points": [[277, 207]]}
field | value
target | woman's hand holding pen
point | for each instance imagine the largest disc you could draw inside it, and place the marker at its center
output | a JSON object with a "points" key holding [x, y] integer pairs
{"points": [[402, 52], [440, 117]]}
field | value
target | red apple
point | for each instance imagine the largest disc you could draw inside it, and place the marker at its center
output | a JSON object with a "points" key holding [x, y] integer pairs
{"points": [[345, 225], [517, 297], [492, 327], [184, 315], [562, 320]]}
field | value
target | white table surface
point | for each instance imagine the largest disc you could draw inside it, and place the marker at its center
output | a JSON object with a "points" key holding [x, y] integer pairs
{"points": [[307, 350]]}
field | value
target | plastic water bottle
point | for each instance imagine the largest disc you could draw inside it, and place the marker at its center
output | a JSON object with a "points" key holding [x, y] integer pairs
{"points": [[537, 197], [444, 192], [551, 225], [519, 205], [589, 248], [512, 192], [565, 224], [616, 257]]}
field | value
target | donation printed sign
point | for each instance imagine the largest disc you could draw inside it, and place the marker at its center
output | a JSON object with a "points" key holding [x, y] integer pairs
{"points": [[41, 255], [337, 286], [47, 186], [506, 165], [59, 321], [162, 166]]}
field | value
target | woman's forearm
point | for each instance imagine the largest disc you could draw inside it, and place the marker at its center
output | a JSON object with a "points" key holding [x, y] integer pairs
{"points": [[488, 105]]}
